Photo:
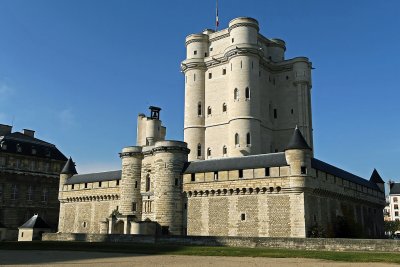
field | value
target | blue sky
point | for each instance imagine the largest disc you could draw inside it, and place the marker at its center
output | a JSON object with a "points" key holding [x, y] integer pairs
{"points": [[79, 72]]}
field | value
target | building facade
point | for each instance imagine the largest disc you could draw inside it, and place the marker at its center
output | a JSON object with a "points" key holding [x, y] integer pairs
{"points": [[246, 167], [393, 201], [29, 179]]}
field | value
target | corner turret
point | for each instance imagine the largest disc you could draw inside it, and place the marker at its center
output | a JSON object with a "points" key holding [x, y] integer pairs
{"points": [[67, 172], [377, 179], [298, 154]]}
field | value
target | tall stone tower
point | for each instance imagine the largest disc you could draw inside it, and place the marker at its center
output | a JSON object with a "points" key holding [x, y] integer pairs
{"points": [[242, 97]]}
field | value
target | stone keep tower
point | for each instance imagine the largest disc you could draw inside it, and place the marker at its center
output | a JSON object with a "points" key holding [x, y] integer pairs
{"points": [[242, 97]]}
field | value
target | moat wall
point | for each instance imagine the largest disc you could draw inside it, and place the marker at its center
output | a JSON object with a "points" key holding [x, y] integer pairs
{"points": [[329, 244]]}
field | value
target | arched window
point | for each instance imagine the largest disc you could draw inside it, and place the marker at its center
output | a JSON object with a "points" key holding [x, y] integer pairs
{"points": [[236, 94], [248, 139], [199, 150], [148, 183], [209, 111], [236, 139], [223, 107], [208, 152], [247, 93], [199, 109], [224, 150]]}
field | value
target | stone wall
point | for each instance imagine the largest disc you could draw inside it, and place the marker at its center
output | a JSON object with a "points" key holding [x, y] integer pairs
{"points": [[327, 244]]}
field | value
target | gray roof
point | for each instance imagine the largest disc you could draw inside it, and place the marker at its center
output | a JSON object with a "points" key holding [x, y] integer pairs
{"points": [[297, 141], [323, 166], [95, 177], [69, 167], [394, 188], [376, 178], [35, 222], [245, 162]]}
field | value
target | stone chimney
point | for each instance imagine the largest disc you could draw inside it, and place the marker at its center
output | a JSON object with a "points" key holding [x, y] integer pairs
{"points": [[5, 129], [30, 133]]}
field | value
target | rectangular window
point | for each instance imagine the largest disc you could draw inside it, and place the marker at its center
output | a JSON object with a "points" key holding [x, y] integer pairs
{"points": [[243, 216], [136, 184], [193, 177], [29, 193], [303, 170], [210, 75], [223, 71], [176, 182], [45, 194], [396, 213], [396, 206], [134, 206], [240, 173], [99, 184], [275, 113], [14, 192], [233, 39], [72, 187], [85, 185], [117, 182], [215, 176], [205, 54], [195, 52], [267, 172]]}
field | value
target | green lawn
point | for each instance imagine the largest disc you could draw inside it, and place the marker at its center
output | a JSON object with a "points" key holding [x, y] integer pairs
{"points": [[204, 251]]}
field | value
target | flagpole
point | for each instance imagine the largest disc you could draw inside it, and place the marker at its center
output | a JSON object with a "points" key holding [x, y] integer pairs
{"points": [[216, 16]]}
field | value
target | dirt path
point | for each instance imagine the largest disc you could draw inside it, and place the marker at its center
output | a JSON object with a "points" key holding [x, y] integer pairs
{"points": [[80, 258]]}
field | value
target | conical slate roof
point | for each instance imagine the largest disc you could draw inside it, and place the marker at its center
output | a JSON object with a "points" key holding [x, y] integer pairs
{"points": [[35, 222], [297, 141], [69, 167], [376, 178]]}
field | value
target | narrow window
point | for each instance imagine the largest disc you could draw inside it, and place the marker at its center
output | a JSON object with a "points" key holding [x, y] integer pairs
{"points": [[223, 107], [275, 113], [199, 109], [199, 150], [287, 77], [303, 170], [84, 224], [248, 139], [237, 139], [231, 66], [134, 206], [233, 39], [194, 77], [193, 177], [240, 173], [208, 152], [247, 93], [147, 183], [236, 94], [223, 71], [29, 196], [215, 176], [224, 150], [259, 73], [291, 111], [211, 49], [195, 52], [176, 182], [136, 184], [73, 187], [209, 111], [241, 64], [252, 65], [99, 184], [205, 54], [243, 217], [85, 185], [210, 75], [45, 194], [267, 171], [117, 182]]}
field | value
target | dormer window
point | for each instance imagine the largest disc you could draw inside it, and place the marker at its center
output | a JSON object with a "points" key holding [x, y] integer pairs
{"points": [[19, 148]]}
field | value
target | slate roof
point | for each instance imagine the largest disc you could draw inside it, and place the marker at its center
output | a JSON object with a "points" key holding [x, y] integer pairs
{"points": [[376, 178], [69, 167], [27, 143], [35, 222], [246, 162], [297, 141], [94, 177], [323, 166], [394, 188]]}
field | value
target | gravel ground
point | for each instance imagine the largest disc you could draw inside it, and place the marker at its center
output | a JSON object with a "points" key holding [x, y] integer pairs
{"points": [[81, 258]]}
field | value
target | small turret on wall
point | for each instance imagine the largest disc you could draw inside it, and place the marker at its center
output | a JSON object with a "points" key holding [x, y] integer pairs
{"points": [[298, 154], [67, 172]]}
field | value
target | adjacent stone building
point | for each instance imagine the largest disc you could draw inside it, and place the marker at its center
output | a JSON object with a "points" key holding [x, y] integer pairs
{"points": [[246, 167], [29, 180]]}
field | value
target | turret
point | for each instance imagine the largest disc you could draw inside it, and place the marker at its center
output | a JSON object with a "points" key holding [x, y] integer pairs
{"points": [[377, 179], [298, 154], [276, 50], [150, 129], [243, 30], [67, 172]]}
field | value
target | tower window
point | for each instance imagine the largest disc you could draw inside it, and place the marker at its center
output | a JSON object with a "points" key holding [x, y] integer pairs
{"points": [[176, 182], [134, 206], [247, 93], [205, 54], [267, 173], [275, 113], [99, 184], [117, 182], [210, 75], [209, 111], [195, 52], [223, 107], [240, 173], [243, 217], [199, 150], [215, 176], [86, 185], [241, 64], [248, 139], [194, 77], [303, 170], [211, 49], [223, 71], [147, 183], [199, 109], [136, 184], [209, 152], [291, 111], [252, 65], [236, 139], [233, 40], [236, 94], [224, 150], [193, 177]]}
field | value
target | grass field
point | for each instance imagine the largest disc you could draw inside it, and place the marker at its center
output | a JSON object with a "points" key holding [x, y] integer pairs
{"points": [[204, 251]]}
